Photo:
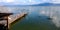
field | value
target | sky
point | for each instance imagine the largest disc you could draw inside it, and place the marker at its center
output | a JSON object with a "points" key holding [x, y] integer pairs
{"points": [[29, 2]]}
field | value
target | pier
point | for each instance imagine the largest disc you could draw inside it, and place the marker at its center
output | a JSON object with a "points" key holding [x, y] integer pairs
{"points": [[5, 14], [13, 18]]}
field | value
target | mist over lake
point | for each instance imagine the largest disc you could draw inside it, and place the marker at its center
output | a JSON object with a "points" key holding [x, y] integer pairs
{"points": [[37, 18]]}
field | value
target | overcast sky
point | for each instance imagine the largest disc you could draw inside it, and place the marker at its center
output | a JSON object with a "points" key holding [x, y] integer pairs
{"points": [[29, 2]]}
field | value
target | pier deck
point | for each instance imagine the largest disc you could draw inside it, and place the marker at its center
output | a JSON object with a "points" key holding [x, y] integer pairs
{"points": [[13, 18]]}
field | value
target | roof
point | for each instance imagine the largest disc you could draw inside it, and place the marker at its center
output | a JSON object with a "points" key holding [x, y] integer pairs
{"points": [[5, 14]]}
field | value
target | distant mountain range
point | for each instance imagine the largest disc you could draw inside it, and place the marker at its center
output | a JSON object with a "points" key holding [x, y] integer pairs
{"points": [[41, 4], [46, 4]]}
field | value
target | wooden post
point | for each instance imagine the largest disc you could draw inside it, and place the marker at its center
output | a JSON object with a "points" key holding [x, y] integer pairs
{"points": [[3, 18]]}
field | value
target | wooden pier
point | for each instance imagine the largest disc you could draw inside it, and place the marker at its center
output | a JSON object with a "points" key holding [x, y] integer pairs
{"points": [[13, 18]]}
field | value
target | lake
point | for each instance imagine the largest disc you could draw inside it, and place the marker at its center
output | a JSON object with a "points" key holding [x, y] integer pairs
{"points": [[37, 18]]}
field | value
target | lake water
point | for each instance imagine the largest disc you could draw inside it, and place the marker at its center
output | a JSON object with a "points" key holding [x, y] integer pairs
{"points": [[35, 20]]}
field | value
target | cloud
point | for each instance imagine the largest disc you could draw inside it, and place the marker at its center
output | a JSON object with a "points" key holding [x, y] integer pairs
{"points": [[22, 2], [26, 2], [55, 1], [29, 2], [6, 1], [9, 0]]}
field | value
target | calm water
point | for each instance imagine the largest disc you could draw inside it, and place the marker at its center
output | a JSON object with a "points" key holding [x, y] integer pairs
{"points": [[34, 20]]}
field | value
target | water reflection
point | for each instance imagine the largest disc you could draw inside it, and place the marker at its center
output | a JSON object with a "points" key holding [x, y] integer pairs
{"points": [[38, 18]]}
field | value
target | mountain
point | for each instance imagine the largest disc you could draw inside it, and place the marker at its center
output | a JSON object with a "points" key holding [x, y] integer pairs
{"points": [[46, 4]]}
